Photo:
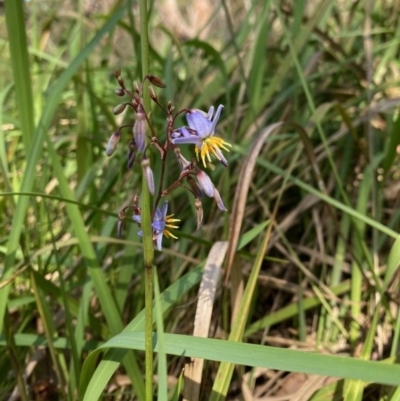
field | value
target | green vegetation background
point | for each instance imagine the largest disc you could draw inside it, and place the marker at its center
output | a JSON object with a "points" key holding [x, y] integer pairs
{"points": [[318, 235]]}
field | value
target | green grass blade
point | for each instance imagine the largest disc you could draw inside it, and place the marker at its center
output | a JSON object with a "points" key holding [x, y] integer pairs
{"points": [[265, 356], [162, 357], [15, 20]]}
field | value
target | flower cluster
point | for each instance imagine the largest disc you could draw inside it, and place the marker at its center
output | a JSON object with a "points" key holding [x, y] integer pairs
{"points": [[200, 132]]}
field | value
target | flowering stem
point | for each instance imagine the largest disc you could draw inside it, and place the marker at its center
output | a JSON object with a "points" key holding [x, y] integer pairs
{"points": [[148, 251]]}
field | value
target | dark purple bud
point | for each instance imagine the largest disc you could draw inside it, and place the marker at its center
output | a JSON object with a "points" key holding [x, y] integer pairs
{"points": [[156, 81], [113, 143], [131, 153], [199, 213], [131, 158], [119, 228], [139, 131], [119, 109], [195, 187], [119, 92], [148, 173]]}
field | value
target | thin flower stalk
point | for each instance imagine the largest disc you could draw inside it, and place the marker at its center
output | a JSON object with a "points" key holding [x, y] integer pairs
{"points": [[150, 210]]}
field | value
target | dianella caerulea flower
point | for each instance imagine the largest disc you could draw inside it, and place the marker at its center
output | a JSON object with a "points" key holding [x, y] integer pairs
{"points": [[200, 133], [160, 222]]}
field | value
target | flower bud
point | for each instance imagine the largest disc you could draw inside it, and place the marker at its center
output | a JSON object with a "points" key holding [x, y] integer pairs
{"points": [[199, 213], [156, 81], [195, 187], [117, 72], [139, 130], [218, 200], [205, 183], [148, 173], [131, 154], [119, 92], [113, 143], [119, 109], [136, 87], [152, 93], [119, 228]]}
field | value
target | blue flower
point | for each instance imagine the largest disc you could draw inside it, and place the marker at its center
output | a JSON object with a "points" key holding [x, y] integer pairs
{"points": [[200, 133], [159, 224]]}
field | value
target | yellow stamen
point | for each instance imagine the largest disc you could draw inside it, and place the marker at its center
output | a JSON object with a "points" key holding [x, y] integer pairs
{"points": [[209, 147], [169, 234], [169, 220]]}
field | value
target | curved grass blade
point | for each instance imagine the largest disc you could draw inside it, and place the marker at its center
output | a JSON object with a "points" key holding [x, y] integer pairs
{"points": [[265, 356]]}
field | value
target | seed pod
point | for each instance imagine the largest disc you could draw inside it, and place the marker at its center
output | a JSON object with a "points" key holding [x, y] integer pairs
{"points": [[113, 143], [119, 109], [156, 81], [199, 213], [148, 173]]}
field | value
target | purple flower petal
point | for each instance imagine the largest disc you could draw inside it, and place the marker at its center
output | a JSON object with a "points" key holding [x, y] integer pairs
{"points": [[183, 132], [158, 214], [137, 218], [205, 183], [159, 225], [216, 118], [194, 140], [210, 112], [159, 241], [218, 200], [199, 122], [164, 210]]}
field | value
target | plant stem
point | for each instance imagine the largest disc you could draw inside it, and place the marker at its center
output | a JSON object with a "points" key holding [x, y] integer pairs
{"points": [[148, 251], [149, 331]]}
